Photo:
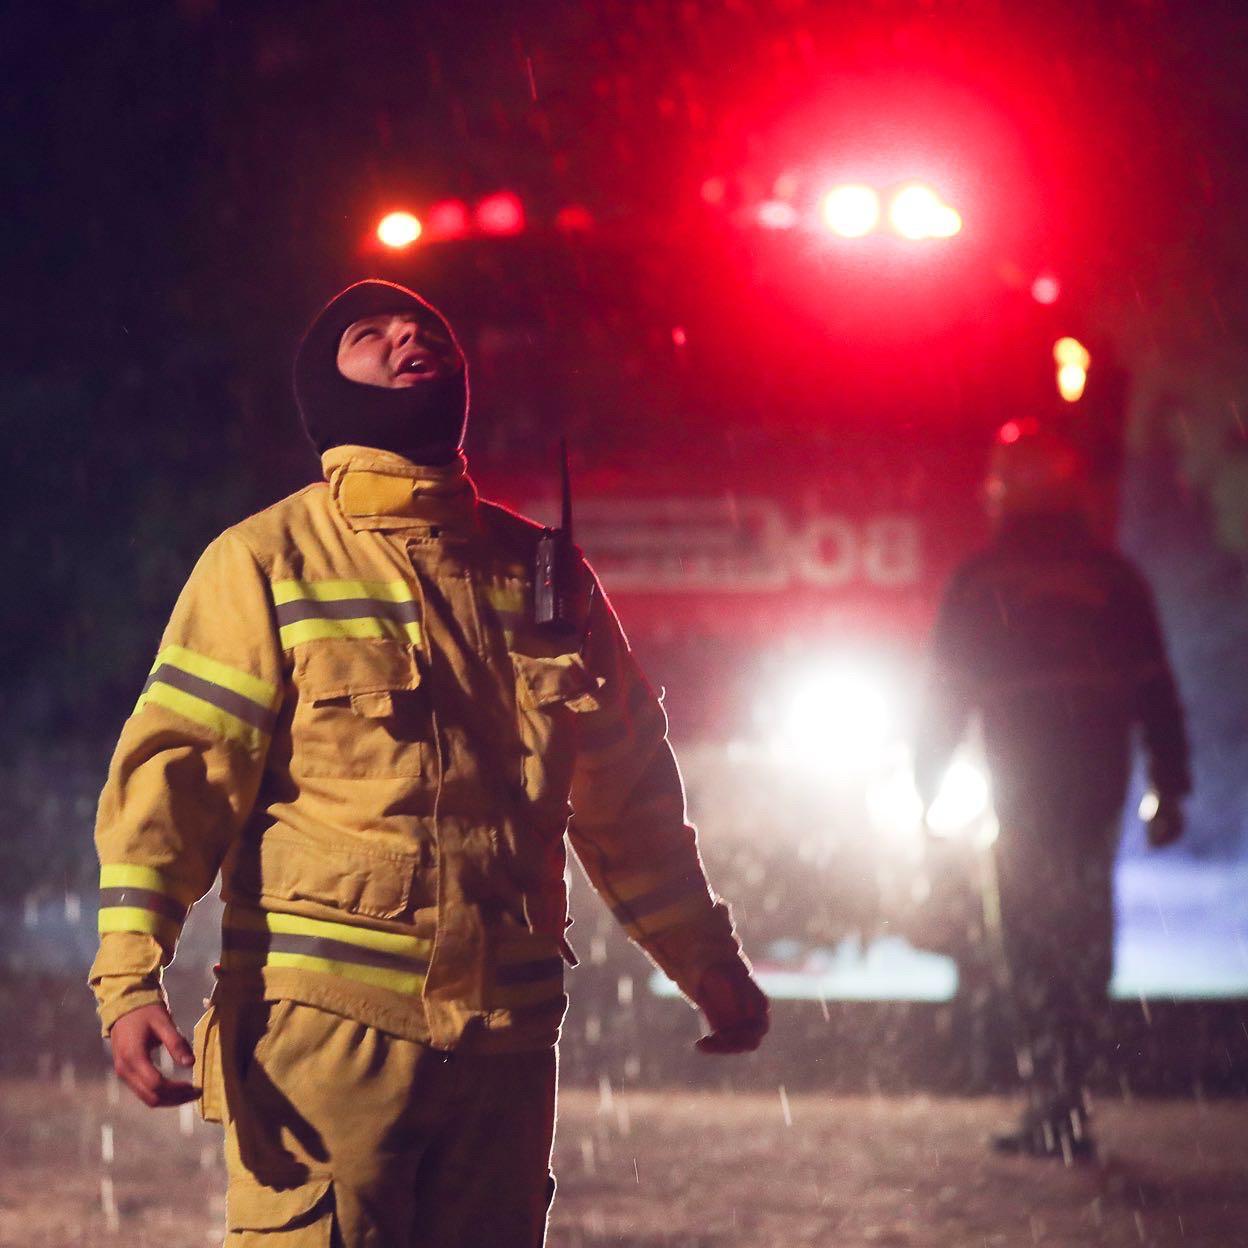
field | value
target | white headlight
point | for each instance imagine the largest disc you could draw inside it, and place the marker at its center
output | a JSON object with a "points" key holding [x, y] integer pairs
{"points": [[836, 718]]}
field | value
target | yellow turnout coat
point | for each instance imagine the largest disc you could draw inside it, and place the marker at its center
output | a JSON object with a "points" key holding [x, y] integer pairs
{"points": [[352, 718]]}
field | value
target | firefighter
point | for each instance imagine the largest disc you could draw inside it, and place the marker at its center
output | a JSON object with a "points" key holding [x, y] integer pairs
{"points": [[355, 719], [1052, 640]]}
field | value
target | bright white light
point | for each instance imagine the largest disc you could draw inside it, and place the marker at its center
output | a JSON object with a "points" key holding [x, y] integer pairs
{"points": [[836, 719], [398, 229], [963, 799], [1149, 804], [918, 212], [850, 211]]}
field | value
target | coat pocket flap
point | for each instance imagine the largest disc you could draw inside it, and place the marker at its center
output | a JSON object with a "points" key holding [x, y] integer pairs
{"points": [[296, 866], [561, 679], [252, 1206], [373, 703], [337, 668]]}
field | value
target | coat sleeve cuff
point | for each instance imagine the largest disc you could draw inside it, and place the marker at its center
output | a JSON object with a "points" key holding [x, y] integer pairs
{"points": [[118, 998]]}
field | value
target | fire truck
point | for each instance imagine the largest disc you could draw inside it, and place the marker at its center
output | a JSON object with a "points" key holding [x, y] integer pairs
{"points": [[778, 411]]}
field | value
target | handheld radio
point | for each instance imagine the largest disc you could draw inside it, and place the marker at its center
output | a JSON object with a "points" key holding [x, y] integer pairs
{"points": [[555, 573]]}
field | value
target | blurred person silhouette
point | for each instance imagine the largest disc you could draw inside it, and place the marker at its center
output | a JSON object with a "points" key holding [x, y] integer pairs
{"points": [[359, 716], [1052, 640]]}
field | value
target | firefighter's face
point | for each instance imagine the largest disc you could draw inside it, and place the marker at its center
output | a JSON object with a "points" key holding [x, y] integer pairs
{"points": [[396, 350]]}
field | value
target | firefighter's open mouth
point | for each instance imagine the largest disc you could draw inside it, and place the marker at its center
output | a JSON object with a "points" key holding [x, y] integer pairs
{"points": [[417, 365]]}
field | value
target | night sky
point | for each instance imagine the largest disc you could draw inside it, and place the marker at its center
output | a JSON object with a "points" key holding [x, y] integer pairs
{"points": [[210, 167]]}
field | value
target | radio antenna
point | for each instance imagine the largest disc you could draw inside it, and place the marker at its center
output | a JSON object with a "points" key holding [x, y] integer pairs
{"points": [[566, 515]]}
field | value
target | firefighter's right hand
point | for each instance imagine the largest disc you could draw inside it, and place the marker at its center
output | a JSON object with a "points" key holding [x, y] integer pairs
{"points": [[134, 1037], [735, 1007], [1167, 823]]}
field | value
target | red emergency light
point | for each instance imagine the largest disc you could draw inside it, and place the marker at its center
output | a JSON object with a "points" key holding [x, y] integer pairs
{"points": [[572, 218], [500, 213], [448, 218]]}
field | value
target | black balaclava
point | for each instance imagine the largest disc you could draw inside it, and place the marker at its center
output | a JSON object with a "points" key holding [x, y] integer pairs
{"points": [[423, 423]]}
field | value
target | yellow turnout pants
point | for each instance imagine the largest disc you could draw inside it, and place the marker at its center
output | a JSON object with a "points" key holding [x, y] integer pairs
{"points": [[341, 1135]]}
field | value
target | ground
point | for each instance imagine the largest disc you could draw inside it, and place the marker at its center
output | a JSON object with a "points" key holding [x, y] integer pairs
{"points": [[81, 1163]]}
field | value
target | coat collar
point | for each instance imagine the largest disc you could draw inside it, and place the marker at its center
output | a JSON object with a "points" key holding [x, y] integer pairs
{"points": [[377, 489]]}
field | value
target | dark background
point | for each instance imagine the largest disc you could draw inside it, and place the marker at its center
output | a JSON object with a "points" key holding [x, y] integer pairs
{"points": [[189, 181]]}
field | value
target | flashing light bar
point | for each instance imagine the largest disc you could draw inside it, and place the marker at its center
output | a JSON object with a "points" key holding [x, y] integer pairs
{"points": [[499, 214], [852, 210]]}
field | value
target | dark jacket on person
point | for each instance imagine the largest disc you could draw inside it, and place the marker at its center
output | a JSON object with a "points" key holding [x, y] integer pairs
{"points": [[1054, 641]]}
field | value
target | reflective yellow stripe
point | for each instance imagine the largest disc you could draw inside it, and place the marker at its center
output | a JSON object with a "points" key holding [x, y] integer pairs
{"points": [[689, 910], [369, 942], [212, 717], [368, 626], [333, 591], [298, 925], [397, 980], [648, 902], [516, 949], [259, 691], [128, 875], [626, 887], [133, 919]]}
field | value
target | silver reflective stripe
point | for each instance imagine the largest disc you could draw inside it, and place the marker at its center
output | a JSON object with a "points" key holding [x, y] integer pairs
{"points": [[658, 899], [320, 947], [347, 609], [236, 704], [143, 899]]}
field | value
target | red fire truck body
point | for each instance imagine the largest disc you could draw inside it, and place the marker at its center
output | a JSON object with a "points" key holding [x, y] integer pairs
{"points": [[777, 441]]}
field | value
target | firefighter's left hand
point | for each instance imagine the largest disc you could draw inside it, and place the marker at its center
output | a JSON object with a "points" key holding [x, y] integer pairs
{"points": [[736, 1009]]}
